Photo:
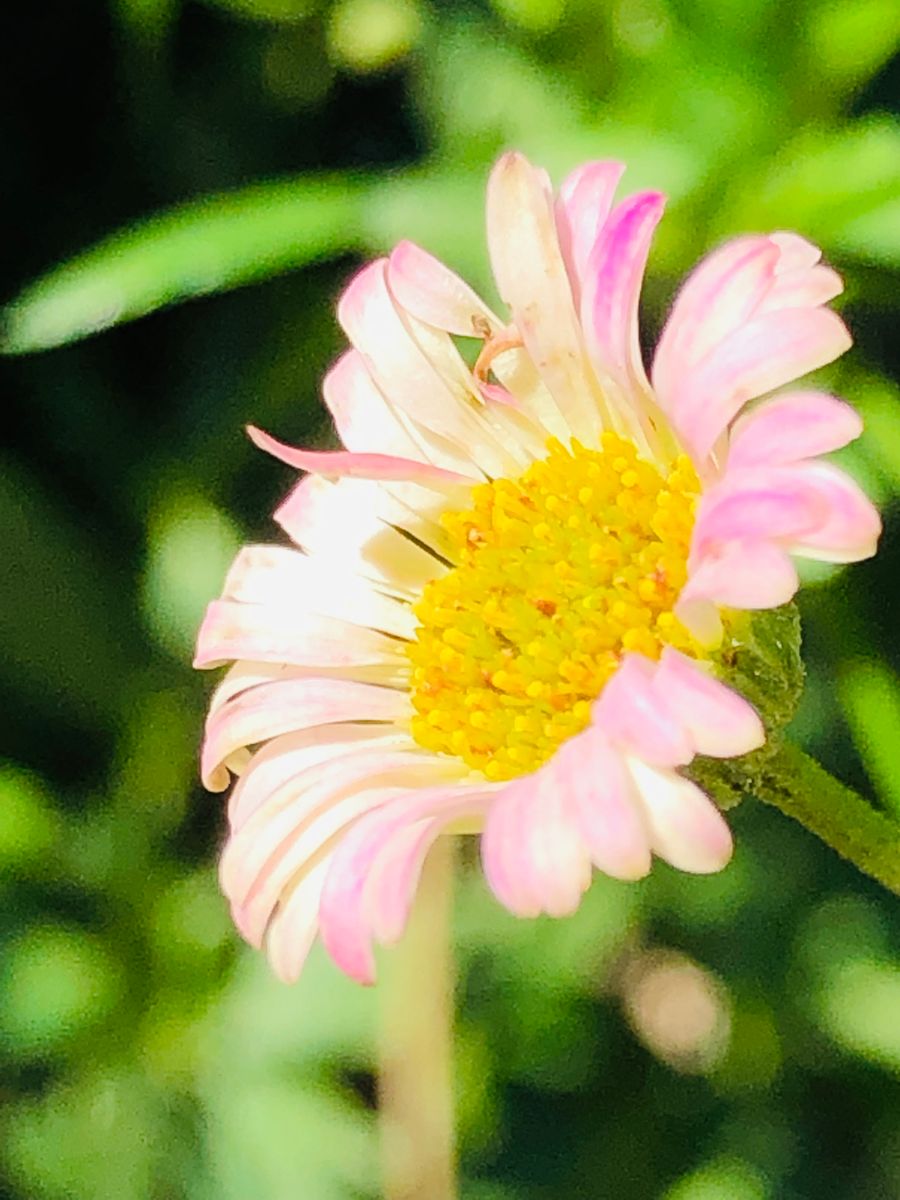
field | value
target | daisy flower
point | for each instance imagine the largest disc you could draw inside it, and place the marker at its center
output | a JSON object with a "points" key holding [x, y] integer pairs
{"points": [[501, 609]]}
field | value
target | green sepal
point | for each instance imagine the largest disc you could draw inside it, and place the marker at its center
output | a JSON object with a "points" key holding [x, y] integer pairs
{"points": [[760, 658]]}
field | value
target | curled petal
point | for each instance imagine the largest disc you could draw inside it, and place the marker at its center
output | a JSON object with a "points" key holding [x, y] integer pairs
{"points": [[791, 427], [434, 294], [721, 722], [285, 758], [286, 835], [686, 828], [349, 525], [285, 706]]}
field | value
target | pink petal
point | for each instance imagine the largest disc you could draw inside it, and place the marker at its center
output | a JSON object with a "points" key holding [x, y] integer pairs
{"points": [[759, 507], [534, 857], [286, 706], [686, 828], [288, 832], [612, 288], [740, 574], [281, 634], [631, 712], [336, 463], [796, 253], [803, 288], [531, 278], [717, 298], [601, 799], [769, 351], [720, 721], [851, 527], [791, 427], [344, 917], [435, 294], [584, 202]]}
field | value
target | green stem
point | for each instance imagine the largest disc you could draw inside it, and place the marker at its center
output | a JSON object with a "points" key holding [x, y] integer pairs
{"points": [[796, 784], [416, 1079]]}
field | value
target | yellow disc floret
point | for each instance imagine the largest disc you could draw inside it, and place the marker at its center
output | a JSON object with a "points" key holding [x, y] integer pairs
{"points": [[558, 574]]}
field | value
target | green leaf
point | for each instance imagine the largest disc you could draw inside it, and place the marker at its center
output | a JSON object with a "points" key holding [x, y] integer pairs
{"points": [[835, 186], [201, 247], [849, 40], [870, 696]]}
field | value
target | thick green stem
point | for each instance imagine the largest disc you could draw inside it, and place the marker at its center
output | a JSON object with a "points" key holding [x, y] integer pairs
{"points": [[416, 1078], [796, 784]]}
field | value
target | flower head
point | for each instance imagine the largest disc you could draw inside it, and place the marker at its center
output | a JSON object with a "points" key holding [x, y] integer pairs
{"points": [[508, 589]]}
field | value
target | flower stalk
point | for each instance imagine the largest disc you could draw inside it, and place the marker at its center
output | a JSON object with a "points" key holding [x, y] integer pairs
{"points": [[798, 786], [416, 1045]]}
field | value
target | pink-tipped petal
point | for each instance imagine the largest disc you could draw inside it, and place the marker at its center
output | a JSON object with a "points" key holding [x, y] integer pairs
{"points": [[286, 757], [285, 706], [266, 633], [584, 202], [435, 400], [334, 464], [791, 427], [364, 420], [740, 574], [772, 349], [349, 526], [535, 285], [686, 828], [289, 831], [631, 713], [345, 921], [612, 289], [280, 576], [436, 295], [720, 721]]}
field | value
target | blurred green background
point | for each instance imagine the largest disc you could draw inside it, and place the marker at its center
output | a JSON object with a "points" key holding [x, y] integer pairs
{"points": [[733, 1038]]}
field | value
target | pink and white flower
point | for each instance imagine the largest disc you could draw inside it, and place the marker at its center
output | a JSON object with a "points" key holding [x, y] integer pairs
{"points": [[347, 718]]}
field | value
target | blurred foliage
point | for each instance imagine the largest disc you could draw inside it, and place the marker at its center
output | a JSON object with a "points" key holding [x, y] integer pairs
{"points": [[732, 1038]]}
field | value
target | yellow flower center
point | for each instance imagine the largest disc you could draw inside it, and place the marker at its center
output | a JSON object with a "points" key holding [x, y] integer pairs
{"points": [[558, 574]]}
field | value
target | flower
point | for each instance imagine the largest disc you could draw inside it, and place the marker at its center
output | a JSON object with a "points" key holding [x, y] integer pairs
{"points": [[509, 585]]}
